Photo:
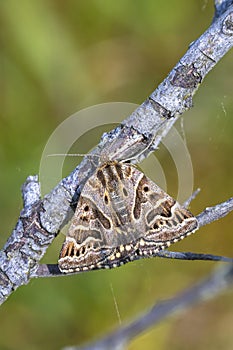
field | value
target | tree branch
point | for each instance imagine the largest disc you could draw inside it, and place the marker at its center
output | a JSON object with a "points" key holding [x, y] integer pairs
{"points": [[40, 220], [207, 289]]}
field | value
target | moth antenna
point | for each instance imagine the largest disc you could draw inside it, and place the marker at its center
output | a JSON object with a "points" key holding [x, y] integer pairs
{"points": [[72, 155], [92, 156], [191, 198]]}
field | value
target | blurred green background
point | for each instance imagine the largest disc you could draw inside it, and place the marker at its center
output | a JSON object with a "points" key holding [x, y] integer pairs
{"points": [[58, 57]]}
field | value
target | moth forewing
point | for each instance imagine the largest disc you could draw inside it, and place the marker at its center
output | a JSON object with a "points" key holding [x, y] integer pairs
{"points": [[122, 214]]}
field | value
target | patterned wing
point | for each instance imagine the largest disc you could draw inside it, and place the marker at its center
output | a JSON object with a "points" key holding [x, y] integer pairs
{"points": [[121, 214], [163, 219]]}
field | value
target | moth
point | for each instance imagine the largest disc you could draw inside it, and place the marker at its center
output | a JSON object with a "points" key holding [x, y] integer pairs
{"points": [[121, 215]]}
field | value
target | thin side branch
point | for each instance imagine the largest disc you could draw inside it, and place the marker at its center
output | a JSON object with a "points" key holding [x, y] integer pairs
{"points": [[207, 289], [215, 213], [167, 254]]}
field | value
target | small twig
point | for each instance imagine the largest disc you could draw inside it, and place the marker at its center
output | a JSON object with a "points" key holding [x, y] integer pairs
{"points": [[192, 256], [207, 289], [215, 213], [186, 204]]}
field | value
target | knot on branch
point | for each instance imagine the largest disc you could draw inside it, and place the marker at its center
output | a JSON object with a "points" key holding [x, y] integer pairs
{"points": [[161, 110], [186, 77], [227, 26]]}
